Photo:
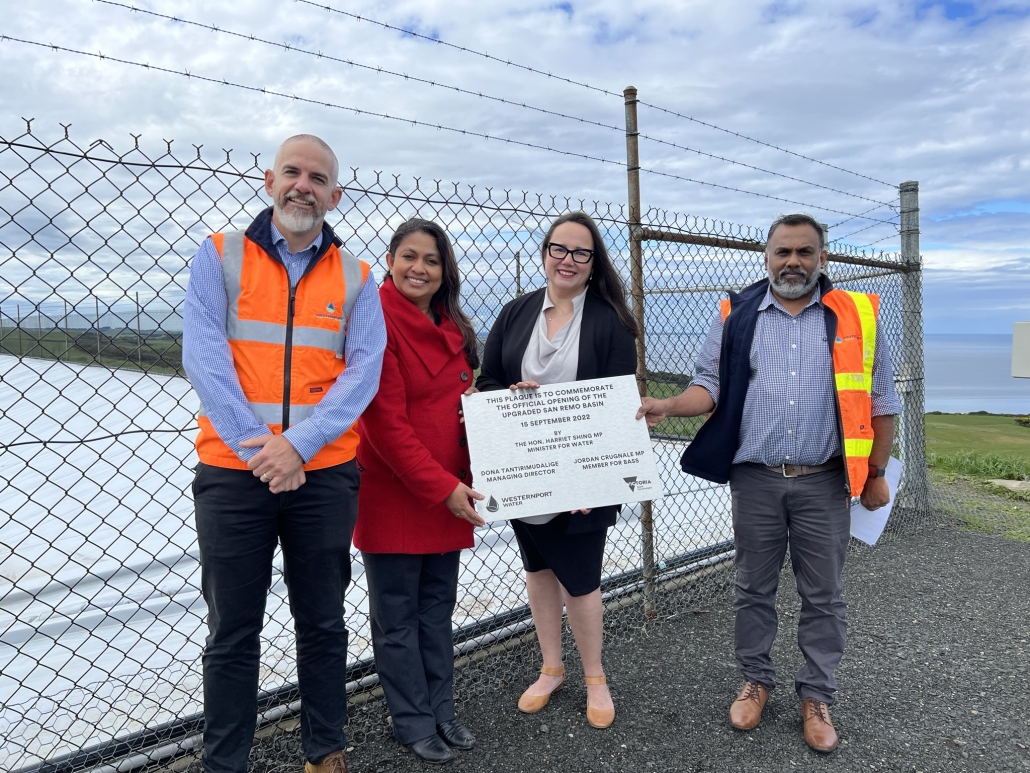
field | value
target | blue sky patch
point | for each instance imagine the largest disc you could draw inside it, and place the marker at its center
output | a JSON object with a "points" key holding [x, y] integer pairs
{"points": [[969, 12], [1000, 207], [780, 9], [863, 17]]}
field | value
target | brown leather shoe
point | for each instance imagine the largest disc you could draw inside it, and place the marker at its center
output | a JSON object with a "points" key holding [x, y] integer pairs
{"points": [[531, 704], [819, 732], [746, 710], [333, 763]]}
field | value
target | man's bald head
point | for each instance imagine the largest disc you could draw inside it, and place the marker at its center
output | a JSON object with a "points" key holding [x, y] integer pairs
{"points": [[309, 138]]}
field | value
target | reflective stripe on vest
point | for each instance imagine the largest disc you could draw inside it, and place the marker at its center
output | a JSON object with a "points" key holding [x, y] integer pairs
{"points": [[267, 332], [325, 298], [853, 354]]}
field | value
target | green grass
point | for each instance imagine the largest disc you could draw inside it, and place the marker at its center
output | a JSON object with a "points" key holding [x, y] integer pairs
{"points": [[948, 434], [984, 466], [152, 350], [965, 452]]}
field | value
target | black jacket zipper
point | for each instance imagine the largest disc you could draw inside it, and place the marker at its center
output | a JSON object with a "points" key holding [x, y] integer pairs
{"points": [[288, 357]]}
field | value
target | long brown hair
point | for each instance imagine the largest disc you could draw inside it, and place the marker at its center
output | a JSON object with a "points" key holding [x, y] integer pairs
{"points": [[604, 281], [446, 298]]}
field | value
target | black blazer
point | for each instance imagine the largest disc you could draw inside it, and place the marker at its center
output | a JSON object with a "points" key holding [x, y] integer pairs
{"points": [[606, 348]]}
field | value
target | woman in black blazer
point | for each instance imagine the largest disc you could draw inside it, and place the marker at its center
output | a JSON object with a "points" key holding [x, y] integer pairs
{"points": [[578, 327]]}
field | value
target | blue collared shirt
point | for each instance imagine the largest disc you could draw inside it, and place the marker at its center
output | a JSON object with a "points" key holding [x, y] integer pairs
{"points": [[789, 413], [208, 360]]}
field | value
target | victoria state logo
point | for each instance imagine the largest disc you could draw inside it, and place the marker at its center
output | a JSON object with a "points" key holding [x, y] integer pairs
{"points": [[635, 482], [492, 505]]}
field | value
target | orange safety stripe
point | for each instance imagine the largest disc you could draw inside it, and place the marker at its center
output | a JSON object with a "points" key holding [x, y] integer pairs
{"points": [[853, 353]]}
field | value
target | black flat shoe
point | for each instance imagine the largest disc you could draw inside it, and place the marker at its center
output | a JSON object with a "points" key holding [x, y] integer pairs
{"points": [[456, 735], [432, 750]]}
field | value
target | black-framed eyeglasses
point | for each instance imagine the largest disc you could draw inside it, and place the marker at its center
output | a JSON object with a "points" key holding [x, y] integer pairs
{"points": [[559, 251]]}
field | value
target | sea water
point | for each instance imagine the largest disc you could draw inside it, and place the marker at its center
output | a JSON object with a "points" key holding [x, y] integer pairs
{"points": [[966, 373]]}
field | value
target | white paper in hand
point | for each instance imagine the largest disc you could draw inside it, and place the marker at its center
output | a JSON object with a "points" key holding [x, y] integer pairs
{"points": [[868, 525]]}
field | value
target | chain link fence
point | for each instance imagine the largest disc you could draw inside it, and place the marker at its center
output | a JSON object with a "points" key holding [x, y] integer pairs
{"points": [[101, 617]]}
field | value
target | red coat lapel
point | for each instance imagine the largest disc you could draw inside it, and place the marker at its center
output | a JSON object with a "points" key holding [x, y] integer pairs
{"points": [[434, 345]]}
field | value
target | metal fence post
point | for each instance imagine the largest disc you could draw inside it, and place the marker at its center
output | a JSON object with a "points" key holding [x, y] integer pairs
{"points": [[914, 488], [139, 336], [636, 259]]}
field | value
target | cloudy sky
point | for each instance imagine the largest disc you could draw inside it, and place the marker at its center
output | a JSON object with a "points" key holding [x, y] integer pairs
{"points": [[929, 91]]}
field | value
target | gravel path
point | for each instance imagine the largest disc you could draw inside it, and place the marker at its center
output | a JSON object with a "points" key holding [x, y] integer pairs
{"points": [[934, 679]]}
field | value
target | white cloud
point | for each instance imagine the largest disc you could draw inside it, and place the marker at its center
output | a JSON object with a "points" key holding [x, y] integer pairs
{"points": [[896, 91]]}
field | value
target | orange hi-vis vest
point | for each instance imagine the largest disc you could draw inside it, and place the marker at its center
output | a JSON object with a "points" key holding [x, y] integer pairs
{"points": [[853, 350], [287, 344]]}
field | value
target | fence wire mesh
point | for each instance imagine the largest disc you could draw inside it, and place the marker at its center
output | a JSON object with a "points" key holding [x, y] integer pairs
{"points": [[101, 618]]}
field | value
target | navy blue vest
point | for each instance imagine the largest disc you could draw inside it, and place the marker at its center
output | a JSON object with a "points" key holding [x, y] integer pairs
{"points": [[710, 454]]}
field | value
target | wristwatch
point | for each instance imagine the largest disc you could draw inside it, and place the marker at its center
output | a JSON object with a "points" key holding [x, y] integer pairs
{"points": [[877, 472]]}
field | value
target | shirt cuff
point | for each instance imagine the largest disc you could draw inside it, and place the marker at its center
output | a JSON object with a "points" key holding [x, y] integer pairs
{"points": [[885, 407], [246, 454], [712, 389], [306, 439]]}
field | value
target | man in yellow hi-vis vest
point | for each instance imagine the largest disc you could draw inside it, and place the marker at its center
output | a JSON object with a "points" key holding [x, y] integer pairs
{"points": [[283, 340], [802, 400]]}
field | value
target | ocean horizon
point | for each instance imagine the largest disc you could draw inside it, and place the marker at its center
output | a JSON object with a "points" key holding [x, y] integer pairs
{"points": [[973, 372]]}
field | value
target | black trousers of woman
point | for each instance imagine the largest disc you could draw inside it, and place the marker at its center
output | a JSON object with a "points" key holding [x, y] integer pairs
{"points": [[411, 599]]}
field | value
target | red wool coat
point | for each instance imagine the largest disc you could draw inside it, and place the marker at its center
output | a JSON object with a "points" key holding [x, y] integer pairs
{"points": [[413, 451]]}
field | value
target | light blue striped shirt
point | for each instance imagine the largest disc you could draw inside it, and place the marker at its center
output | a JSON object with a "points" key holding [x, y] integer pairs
{"points": [[208, 362], [789, 414]]}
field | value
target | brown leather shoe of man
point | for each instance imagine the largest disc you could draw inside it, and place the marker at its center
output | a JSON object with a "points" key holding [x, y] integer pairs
{"points": [[819, 732], [746, 710], [333, 763]]}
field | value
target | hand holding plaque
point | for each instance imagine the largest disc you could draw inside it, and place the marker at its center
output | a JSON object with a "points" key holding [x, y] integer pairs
{"points": [[570, 446]]}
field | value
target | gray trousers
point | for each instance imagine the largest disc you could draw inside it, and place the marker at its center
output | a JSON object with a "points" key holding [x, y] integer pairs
{"points": [[410, 601], [811, 513]]}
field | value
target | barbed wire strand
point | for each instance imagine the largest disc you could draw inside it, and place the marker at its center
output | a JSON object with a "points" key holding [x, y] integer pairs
{"points": [[416, 122], [860, 230], [892, 206], [457, 89], [885, 238], [570, 81]]}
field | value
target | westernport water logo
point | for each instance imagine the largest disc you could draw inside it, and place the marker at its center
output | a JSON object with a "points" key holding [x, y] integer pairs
{"points": [[492, 505], [330, 312]]}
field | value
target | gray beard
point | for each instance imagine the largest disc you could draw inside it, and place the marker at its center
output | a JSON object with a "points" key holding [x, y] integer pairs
{"points": [[794, 290], [296, 222]]}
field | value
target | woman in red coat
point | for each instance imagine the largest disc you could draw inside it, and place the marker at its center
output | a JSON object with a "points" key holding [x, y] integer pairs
{"points": [[414, 513]]}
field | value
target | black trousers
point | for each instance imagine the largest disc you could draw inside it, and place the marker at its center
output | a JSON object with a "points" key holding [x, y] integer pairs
{"points": [[410, 600], [239, 523]]}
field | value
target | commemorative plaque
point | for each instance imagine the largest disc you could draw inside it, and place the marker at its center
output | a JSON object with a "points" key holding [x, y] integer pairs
{"points": [[560, 447]]}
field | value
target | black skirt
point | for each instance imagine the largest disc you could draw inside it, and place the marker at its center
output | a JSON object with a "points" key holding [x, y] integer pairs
{"points": [[575, 559]]}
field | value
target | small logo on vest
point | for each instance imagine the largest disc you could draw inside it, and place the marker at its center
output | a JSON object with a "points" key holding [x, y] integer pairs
{"points": [[492, 505], [838, 340], [315, 390], [330, 312]]}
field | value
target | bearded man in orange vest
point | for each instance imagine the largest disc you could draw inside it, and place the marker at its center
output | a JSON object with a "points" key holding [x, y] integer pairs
{"points": [[283, 340], [801, 395]]}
